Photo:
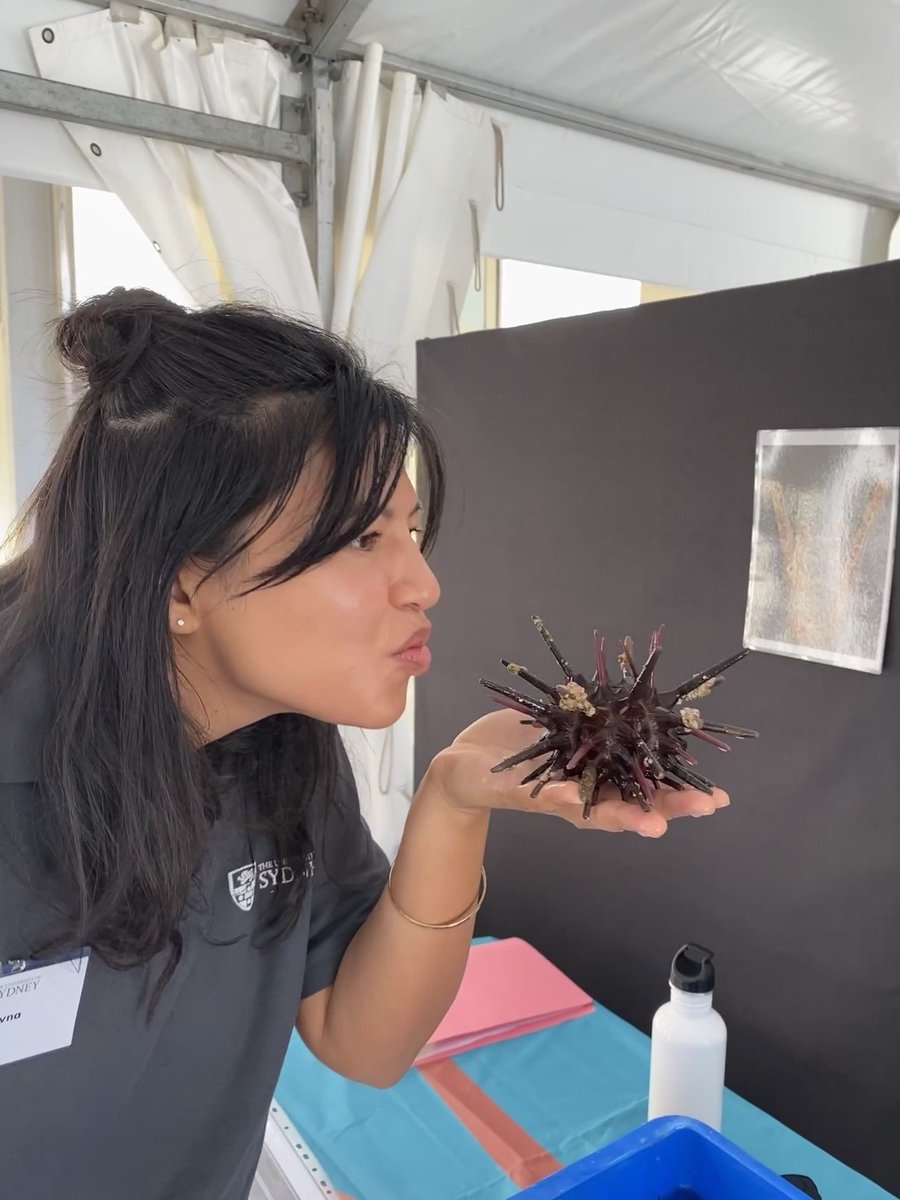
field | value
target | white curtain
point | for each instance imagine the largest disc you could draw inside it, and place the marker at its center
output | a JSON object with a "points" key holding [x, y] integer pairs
{"points": [[415, 180], [415, 184], [196, 206]]}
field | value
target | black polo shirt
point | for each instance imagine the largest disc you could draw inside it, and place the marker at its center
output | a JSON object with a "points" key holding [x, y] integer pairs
{"points": [[173, 1110]]}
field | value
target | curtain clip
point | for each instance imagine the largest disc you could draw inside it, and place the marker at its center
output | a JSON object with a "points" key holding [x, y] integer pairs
{"points": [[499, 167], [476, 245]]}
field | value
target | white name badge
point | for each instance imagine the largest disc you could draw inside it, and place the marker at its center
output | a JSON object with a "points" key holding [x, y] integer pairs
{"points": [[38, 1005]]}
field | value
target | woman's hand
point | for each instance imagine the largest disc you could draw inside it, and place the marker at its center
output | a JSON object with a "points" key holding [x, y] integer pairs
{"points": [[462, 777]]}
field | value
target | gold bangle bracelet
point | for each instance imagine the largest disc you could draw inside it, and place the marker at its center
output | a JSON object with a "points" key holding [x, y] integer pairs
{"points": [[467, 915]]}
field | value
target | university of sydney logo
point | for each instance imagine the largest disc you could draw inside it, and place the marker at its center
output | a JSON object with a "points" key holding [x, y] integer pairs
{"points": [[243, 882]]}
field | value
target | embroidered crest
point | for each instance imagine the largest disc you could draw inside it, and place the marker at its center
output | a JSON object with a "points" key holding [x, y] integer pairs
{"points": [[242, 885]]}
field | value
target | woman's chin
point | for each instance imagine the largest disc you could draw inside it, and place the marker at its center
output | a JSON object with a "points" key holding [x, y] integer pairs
{"points": [[381, 715], [383, 722]]}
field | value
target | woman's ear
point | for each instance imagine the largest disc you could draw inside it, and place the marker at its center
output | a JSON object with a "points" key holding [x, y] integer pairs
{"points": [[184, 609]]}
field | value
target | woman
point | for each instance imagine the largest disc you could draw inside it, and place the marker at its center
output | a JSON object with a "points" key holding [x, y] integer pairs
{"points": [[224, 564]]}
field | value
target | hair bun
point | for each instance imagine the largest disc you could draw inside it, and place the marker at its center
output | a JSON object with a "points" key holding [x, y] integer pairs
{"points": [[102, 338]]}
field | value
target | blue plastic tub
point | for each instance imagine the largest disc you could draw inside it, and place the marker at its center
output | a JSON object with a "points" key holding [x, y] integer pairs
{"points": [[672, 1158]]}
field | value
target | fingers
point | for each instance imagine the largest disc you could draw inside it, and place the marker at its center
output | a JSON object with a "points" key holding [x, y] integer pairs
{"points": [[627, 818], [689, 803], [614, 815]]}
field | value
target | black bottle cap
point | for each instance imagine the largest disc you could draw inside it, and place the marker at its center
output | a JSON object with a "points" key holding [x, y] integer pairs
{"points": [[805, 1185], [692, 970]]}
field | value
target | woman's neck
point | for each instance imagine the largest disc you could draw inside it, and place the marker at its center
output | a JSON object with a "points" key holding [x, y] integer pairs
{"points": [[213, 709]]}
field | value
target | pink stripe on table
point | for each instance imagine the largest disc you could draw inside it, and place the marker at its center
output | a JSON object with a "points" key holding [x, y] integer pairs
{"points": [[514, 1150]]}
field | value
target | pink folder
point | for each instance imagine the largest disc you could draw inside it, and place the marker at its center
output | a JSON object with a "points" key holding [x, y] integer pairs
{"points": [[508, 989]]}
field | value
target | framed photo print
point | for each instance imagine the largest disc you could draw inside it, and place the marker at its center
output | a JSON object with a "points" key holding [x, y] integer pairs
{"points": [[822, 554]]}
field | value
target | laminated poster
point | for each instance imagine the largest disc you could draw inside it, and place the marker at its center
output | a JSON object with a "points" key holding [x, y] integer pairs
{"points": [[822, 556]]}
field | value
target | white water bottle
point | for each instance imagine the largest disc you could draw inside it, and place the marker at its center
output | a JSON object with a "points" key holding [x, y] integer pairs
{"points": [[687, 1048]]}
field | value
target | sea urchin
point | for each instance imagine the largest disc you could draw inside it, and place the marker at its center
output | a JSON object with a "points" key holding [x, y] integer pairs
{"points": [[626, 734]]}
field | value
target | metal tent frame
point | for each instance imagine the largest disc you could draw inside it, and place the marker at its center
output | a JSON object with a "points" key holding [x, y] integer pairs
{"points": [[315, 37], [319, 29]]}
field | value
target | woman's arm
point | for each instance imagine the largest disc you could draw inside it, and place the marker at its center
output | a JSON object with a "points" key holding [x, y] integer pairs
{"points": [[397, 980]]}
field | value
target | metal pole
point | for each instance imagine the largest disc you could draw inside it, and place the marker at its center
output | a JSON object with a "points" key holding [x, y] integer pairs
{"points": [[312, 185], [108, 110], [323, 189]]}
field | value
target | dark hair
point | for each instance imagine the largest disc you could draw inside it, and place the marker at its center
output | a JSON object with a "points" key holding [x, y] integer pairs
{"points": [[191, 423]]}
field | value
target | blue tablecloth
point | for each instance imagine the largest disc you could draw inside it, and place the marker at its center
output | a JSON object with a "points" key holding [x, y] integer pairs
{"points": [[572, 1088]]}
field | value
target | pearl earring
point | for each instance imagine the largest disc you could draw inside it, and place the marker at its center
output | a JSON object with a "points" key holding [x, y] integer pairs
{"points": [[180, 622]]}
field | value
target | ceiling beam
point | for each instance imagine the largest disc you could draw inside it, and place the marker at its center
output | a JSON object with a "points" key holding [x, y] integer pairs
{"points": [[328, 24], [555, 112], [206, 14], [108, 110]]}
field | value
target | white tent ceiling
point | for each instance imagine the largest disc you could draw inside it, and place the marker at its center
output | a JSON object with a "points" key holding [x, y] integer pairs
{"points": [[808, 83], [813, 83]]}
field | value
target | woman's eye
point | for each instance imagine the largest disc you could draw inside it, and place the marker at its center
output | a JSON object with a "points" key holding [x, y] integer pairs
{"points": [[367, 541]]}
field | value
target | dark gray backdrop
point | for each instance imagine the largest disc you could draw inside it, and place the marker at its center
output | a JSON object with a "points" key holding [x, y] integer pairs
{"points": [[601, 473]]}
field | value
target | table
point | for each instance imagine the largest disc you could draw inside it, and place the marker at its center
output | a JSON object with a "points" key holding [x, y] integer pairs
{"points": [[485, 1124]]}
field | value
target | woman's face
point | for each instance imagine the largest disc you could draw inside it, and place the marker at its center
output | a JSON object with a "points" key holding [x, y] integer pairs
{"points": [[331, 643]]}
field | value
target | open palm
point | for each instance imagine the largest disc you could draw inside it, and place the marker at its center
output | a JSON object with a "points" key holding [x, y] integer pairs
{"points": [[467, 782]]}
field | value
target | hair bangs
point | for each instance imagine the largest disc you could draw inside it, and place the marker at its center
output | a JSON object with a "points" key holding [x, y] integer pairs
{"points": [[366, 448]]}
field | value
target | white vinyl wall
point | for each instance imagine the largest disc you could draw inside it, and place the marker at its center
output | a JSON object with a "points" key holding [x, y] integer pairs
{"points": [[592, 204]]}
